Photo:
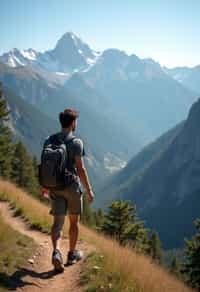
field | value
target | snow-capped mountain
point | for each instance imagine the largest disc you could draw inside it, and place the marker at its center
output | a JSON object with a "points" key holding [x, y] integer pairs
{"points": [[16, 58], [70, 54]]}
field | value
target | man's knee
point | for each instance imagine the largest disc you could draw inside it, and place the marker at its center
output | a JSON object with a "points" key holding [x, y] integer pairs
{"points": [[73, 221], [57, 227]]}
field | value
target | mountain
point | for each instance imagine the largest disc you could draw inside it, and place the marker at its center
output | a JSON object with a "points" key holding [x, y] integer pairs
{"points": [[144, 97], [163, 180], [189, 77], [69, 54], [27, 83], [27, 123]]}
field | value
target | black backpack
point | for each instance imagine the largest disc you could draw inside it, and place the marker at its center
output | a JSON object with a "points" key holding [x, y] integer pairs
{"points": [[53, 172]]}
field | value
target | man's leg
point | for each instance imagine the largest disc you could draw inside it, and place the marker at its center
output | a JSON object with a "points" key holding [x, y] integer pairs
{"points": [[56, 230], [73, 231], [75, 209]]}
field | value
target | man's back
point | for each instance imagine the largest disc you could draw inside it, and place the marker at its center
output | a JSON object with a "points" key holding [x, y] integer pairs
{"points": [[74, 147]]}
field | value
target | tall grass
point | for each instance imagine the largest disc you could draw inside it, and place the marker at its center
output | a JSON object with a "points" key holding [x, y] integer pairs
{"points": [[15, 249], [135, 272], [36, 213]]}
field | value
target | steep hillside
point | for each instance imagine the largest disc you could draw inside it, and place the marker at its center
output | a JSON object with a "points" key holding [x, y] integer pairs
{"points": [[165, 185]]}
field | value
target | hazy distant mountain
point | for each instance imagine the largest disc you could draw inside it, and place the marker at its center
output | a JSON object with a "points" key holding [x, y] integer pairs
{"points": [[139, 91], [189, 77], [163, 180]]}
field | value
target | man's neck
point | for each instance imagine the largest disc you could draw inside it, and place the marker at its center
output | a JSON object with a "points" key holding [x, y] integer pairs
{"points": [[66, 130]]}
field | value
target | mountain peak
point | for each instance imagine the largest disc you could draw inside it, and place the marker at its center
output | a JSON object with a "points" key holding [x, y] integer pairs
{"points": [[72, 52], [68, 39]]}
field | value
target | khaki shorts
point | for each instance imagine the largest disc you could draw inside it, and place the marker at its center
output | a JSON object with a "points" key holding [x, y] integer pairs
{"points": [[66, 201]]}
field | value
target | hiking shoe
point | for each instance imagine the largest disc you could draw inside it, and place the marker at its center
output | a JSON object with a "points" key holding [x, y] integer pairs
{"points": [[57, 261], [74, 256]]}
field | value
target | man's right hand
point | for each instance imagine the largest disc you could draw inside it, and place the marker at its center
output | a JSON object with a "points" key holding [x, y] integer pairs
{"points": [[91, 196]]}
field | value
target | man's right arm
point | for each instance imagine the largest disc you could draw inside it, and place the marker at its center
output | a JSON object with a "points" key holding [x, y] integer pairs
{"points": [[82, 173]]}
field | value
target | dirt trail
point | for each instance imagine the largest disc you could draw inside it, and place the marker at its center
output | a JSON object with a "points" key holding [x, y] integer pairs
{"points": [[39, 275]]}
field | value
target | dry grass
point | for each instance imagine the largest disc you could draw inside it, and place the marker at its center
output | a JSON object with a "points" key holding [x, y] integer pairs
{"points": [[15, 249], [135, 271], [36, 213]]}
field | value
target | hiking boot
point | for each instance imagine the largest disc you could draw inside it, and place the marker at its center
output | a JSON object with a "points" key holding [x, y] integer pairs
{"points": [[57, 261], [74, 256]]}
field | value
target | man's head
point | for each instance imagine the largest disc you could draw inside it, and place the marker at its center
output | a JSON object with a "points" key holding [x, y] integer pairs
{"points": [[68, 119]]}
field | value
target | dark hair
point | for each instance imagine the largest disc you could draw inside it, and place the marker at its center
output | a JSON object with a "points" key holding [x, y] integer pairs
{"points": [[67, 117]]}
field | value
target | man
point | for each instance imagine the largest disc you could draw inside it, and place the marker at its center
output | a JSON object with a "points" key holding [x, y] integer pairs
{"points": [[70, 199]]}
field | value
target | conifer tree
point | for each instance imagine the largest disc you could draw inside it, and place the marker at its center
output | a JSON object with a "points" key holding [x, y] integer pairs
{"points": [[5, 138], [23, 172], [155, 247], [99, 218], [192, 255], [175, 266], [121, 223]]}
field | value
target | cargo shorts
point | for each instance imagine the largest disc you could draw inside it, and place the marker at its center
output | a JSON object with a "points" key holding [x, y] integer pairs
{"points": [[66, 201]]}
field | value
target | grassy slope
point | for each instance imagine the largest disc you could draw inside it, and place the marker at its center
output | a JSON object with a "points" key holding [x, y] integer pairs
{"points": [[121, 267], [15, 249]]}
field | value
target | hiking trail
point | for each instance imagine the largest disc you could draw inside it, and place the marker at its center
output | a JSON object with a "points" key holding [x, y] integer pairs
{"points": [[39, 275]]}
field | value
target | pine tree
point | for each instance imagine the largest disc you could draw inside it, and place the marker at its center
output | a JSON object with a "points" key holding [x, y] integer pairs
{"points": [[175, 266], [192, 255], [23, 172], [6, 148], [99, 218], [121, 223], [155, 247]]}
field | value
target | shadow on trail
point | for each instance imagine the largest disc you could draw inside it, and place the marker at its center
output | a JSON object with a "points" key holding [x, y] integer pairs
{"points": [[15, 280]]}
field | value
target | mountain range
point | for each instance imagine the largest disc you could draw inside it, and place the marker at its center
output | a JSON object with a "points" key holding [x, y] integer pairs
{"points": [[134, 95]]}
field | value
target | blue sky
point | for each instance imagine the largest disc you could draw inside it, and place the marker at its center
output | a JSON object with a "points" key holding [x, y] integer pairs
{"points": [[167, 31]]}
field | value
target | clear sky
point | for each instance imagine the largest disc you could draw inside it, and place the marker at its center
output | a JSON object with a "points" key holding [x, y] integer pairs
{"points": [[166, 30]]}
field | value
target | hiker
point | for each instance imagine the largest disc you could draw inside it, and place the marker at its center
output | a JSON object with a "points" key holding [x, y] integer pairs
{"points": [[69, 199]]}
